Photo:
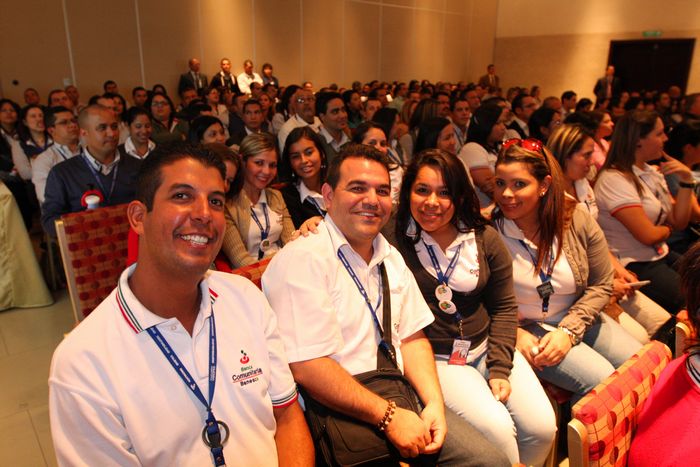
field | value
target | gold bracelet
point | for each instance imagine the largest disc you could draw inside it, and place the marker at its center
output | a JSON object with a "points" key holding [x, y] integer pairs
{"points": [[388, 415]]}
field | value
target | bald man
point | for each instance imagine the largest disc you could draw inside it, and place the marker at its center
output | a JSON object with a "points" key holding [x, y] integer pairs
{"points": [[98, 170], [193, 78]]}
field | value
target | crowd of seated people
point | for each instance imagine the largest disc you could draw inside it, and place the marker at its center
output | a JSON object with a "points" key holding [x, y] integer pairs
{"points": [[553, 226]]}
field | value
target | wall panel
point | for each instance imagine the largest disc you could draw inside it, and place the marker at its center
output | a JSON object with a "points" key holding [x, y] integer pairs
{"points": [[278, 38], [170, 36], [318, 40], [33, 50], [105, 46]]}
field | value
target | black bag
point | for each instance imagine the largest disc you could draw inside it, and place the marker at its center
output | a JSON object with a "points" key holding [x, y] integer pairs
{"points": [[341, 440]]}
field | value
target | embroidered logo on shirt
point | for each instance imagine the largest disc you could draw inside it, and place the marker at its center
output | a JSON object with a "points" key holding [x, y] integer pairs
{"points": [[248, 373]]}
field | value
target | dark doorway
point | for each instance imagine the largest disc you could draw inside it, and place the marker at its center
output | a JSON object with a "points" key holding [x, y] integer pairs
{"points": [[652, 64]]}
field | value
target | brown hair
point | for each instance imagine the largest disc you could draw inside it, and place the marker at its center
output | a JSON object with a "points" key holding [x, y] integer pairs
{"points": [[551, 206], [629, 129]]}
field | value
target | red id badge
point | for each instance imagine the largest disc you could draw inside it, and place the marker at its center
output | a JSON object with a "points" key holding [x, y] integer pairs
{"points": [[460, 351]]}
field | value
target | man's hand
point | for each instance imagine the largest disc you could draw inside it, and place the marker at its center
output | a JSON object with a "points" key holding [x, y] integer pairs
{"points": [[434, 419], [408, 433], [553, 348], [500, 388]]}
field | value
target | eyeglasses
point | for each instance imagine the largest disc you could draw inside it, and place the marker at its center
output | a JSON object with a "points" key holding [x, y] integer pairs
{"points": [[159, 104], [302, 100], [531, 144]]}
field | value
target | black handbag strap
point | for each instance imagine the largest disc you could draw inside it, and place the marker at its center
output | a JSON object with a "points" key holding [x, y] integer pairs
{"points": [[386, 355]]}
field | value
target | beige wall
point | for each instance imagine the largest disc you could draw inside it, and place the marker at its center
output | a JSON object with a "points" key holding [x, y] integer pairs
{"points": [[567, 47], [144, 42]]}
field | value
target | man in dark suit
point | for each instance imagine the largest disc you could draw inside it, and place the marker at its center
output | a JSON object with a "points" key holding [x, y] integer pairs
{"points": [[224, 78], [193, 78], [608, 86], [490, 81], [253, 121]]}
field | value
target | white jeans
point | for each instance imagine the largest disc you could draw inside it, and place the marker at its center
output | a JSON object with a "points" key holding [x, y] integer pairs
{"points": [[523, 428], [644, 316]]}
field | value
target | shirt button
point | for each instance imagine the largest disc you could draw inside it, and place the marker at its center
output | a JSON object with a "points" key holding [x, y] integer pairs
{"points": [[173, 327]]}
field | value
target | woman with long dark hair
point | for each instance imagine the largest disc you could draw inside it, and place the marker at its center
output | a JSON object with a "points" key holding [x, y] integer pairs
{"points": [[637, 212], [465, 274], [486, 130], [306, 161]]}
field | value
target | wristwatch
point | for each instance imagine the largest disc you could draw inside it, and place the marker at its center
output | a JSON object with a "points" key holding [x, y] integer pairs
{"points": [[690, 185], [572, 337]]}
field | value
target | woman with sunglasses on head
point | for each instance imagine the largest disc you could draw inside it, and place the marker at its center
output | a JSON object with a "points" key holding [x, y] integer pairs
{"points": [[306, 161], [572, 146], [487, 128], [257, 221], [637, 212], [561, 272], [465, 274]]}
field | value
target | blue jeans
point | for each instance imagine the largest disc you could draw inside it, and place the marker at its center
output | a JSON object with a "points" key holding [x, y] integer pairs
{"points": [[522, 428], [605, 346]]}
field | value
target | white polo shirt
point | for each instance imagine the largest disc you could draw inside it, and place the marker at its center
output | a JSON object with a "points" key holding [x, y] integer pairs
{"points": [[115, 400], [319, 309], [475, 156], [525, 281], [586, 196], [613, 192]]}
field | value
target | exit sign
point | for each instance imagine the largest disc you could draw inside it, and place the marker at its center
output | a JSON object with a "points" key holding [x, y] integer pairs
{"points": [[655, 33]]}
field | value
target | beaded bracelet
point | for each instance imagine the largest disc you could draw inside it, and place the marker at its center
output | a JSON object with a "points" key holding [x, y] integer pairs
{"points": [[388, 415]]}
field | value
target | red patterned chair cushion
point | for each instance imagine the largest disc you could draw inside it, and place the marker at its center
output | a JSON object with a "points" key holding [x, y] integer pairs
{"points": [[609, 412], [94, 254], [253, 272]]}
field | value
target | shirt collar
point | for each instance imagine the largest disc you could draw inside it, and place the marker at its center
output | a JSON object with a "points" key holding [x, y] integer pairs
{"points": [[329, 138], [139, 318], [104, 169], [130, 148], [65, 151], [462, 237], [304, 193], [511, 230], [380, 247]]}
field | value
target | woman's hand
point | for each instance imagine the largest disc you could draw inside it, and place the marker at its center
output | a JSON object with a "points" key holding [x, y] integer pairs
{"points": [[500, 388], [553, 348], [673, 166], [621, 289], [525, 343], [309, 226]]}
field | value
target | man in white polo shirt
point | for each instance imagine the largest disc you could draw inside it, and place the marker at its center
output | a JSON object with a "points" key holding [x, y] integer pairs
{"points": [[321, 288], [179, 365]]}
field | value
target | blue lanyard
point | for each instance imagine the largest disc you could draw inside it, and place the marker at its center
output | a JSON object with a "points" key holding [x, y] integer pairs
{"points": [[443, 278], [363, 292], [61, 153], [213, 435], [107, 196], [544, 277], [264, 232]]}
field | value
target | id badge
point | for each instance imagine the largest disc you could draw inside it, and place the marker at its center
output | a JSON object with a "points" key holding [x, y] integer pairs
{"points": [[545, 290], [460, 351]]}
